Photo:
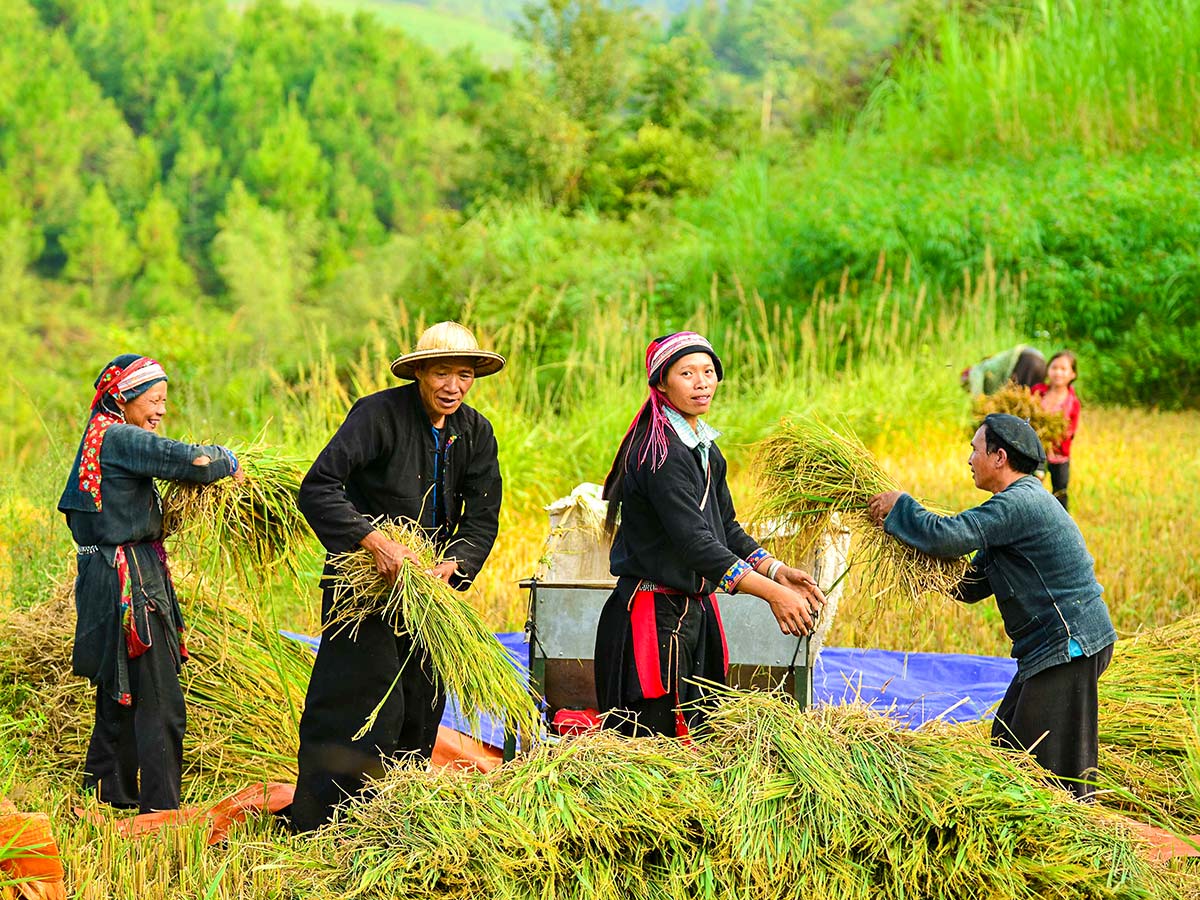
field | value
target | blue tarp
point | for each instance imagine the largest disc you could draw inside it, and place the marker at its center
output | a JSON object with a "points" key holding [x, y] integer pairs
{"points": [[913, 687], [490, 731]]}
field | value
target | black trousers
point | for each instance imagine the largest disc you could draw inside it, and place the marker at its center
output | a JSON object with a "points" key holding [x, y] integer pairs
{"points": [[145, 737], [1055, 713], [1060, 474], [349, 678]]}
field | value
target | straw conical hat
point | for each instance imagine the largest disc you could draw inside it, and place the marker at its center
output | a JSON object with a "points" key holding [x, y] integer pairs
{"points": [[445, 340]]}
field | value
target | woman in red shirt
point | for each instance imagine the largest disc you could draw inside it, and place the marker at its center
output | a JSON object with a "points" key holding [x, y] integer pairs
{"points": [[1057, 395]]}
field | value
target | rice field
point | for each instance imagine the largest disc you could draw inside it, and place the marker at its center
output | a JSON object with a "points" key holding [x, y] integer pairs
{"points": [[1133, 478]]}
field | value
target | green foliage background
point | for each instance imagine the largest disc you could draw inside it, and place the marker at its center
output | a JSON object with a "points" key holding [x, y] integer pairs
{"points": [[244, 189]]}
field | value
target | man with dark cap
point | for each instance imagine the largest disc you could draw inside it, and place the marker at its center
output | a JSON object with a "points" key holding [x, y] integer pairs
{"points": [[1031, 555]]}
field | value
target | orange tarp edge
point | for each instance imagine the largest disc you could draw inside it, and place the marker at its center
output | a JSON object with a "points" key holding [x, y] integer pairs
{"points": [[39, 864]]}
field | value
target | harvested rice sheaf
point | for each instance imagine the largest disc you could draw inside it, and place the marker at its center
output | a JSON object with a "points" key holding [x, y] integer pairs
{"points": [[251, 528], [1150, 722], [768, 802], [1016, 400], [464, 653], [242, 686], [810, 478]]}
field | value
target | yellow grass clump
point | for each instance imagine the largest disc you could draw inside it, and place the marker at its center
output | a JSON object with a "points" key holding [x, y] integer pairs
{"points": [[811, 478], [251, 527], [468, 661], [1016, 400]]}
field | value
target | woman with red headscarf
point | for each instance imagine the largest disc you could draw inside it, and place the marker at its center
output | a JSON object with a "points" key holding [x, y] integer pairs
{"points": [[129, 630], [678, 541]]}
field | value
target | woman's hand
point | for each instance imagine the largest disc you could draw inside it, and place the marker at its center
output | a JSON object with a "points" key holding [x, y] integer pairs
{"points": [[239, 474], [792, 610], [803, 584], [389, 555]]}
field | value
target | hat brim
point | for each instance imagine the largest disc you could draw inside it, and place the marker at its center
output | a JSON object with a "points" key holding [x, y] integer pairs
{"points": [[486, 362]]}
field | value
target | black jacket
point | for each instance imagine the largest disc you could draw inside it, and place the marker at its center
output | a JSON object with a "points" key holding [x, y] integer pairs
{"points": [[381, 463], [665, 536]]}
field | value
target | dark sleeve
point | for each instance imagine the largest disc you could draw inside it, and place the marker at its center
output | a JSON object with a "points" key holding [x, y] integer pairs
{"points": [[672, 491], [975, 585], [948, 537], [736, 538], [476, 530], [338, 525], [145, 453]]}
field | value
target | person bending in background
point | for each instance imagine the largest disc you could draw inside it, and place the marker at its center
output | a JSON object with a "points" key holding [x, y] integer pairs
{"points": [[129, 629], [419, 453], [1032, 557], [1057, 394], [1021, 365], [678, 540]]}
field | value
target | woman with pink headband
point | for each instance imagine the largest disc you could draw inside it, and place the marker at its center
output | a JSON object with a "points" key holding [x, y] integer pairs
{"points": [[129, 630], [678, 541]]}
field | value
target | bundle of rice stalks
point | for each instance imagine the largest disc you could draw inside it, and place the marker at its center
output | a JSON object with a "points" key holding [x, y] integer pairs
{"points": [[768, 803], [812, 479], [250, 527], [466, 657], [1149, 729], [241, 710], [1016, 400]]}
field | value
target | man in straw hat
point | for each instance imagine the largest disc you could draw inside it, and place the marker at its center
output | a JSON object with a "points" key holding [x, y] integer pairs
{"points": [[415, 452], [1032, 557]]}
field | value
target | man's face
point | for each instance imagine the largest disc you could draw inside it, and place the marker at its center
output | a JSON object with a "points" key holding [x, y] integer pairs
{"points": [[443, 383], [983, 464]]}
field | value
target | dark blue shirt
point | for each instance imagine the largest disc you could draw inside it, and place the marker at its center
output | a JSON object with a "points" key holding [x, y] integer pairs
{"points": [[1032, 557]]}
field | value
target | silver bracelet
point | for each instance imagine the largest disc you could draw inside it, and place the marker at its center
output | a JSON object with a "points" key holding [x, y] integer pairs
{"points": [[774, 568]]}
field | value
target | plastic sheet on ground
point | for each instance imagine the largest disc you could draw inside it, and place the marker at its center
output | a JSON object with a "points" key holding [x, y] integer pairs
{"points": [[912, 687]]}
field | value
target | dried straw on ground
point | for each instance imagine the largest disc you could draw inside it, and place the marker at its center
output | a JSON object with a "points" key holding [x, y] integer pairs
{"points": [[241, 722], [1016, 400], [811, 477], [466, 657], [1150, 721], [251, 528], [768, 803]]}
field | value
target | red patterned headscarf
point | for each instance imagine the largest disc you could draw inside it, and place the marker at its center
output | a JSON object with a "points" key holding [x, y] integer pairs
{"points": [[661, 354], [125, 378]]}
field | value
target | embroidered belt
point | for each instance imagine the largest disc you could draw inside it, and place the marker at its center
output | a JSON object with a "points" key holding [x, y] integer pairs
{"points": [[657, 588], [84, 551]]}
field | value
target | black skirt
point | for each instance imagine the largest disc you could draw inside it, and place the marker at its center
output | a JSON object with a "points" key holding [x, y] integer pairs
{"points": [[655, 650]]}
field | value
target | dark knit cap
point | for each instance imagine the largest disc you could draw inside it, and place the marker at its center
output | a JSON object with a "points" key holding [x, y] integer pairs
{"points": [[1016, 433]]}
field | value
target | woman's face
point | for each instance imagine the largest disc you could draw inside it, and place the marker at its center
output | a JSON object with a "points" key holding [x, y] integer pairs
{"points": [[690, 384], [147, 409]]}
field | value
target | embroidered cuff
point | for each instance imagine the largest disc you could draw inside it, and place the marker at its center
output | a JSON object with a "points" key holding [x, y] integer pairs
{"points": [[757, 556], [734, 574]]}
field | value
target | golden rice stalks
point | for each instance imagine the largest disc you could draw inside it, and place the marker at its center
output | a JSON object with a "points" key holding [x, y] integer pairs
{"points": [[1150, 720], [240, 686], [768, 802], [251, 527], [466, 657], [1016, 400], [810, 478]]}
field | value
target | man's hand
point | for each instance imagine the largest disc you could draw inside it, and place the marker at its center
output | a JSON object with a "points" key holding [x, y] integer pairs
{"points": [[880, 505], [389, 555], [445, 570]]}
